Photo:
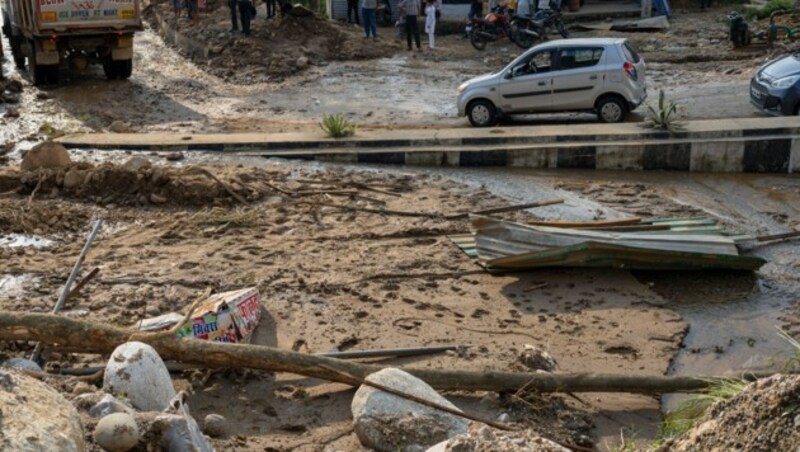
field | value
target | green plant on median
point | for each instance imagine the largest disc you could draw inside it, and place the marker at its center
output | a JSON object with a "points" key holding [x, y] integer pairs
{"points": [[683, 418], [764, 11], [665, 116], [337, 126]]}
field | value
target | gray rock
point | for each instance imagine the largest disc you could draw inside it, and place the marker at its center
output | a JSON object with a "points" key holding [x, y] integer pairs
{"points": [[535, 358], [301, 62], [215, 425], [117, 432], [21, 363], [36, 417], [137, 372], [179, 430], [387, 422], [74, 178], [109, 405], [119, 127], [46, 155], [136, 163], [488, 439]]}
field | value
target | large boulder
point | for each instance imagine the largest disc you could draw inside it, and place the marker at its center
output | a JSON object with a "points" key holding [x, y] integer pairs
{"points": [[487, 439], [387, 422], [46, 155], [137, 372], [35, 417]]}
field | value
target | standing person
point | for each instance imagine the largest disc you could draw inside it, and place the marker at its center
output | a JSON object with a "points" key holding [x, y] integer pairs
{"points": [[234, 20], [352, 6], [368, 8], [438, 5], [272, 8], [176, 8], [412, 27], [430, 23], [245, 11], [475, 9]]}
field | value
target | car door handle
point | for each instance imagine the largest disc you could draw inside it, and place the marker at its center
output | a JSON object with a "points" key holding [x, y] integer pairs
{"points": [[594, 77], [542, 83]]}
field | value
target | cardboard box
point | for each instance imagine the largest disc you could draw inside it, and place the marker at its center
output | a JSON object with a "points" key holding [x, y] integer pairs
{"points": [[224, 317]]}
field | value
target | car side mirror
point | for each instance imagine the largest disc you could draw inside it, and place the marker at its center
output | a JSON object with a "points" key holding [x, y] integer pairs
{"points": [[509, 74]]}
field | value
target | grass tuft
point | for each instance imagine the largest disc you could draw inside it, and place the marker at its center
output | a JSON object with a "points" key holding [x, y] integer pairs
{"points": [[665, 116], [337, 126]]}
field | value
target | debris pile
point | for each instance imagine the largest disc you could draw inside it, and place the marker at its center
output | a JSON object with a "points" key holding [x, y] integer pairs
{"points": [[278, 48], [10, 93], [765, 416]]}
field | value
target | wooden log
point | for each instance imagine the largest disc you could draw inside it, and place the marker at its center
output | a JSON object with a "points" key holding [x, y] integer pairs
{"points": [[100, 338]]}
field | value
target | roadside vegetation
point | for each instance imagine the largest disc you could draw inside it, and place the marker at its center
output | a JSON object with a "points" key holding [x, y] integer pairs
{"points": [[337, 126], [665, 116]]}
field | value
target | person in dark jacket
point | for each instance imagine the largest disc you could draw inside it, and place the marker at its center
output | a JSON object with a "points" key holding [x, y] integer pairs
{"points": [[412, 27], [246, 11], [272, 8], [234, 20], [352, 6]]}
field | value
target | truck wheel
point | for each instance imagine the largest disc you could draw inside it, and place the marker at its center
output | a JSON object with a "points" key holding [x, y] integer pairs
{"points": [[110, 68], [51, 73], [124, 69], [16, 53], [37, 72]]}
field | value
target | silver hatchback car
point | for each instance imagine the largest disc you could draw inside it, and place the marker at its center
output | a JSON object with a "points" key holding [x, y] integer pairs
{"points": [[602, 75]]}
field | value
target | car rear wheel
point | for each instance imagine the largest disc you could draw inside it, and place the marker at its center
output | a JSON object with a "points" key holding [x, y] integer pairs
{"points": [[481, 113], [611, 109]]}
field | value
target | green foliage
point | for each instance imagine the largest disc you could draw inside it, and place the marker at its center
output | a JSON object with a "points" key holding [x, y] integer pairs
{"points": [[683, 418], [665, 116], [763, 12], [337, 126]]}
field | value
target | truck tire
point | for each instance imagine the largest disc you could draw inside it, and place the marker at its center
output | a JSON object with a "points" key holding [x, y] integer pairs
{"points": [[37, 72], [16, 53], [110, 68], [124, 69]]}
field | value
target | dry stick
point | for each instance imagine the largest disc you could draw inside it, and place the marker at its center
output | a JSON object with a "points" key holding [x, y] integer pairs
{"points": [[547, 202], [784, 236], [536, 287], [37, 351], [224, 185], [75, 290], [457, 216], [35, 189], [461, 327], [355, 381], [95, 337]]}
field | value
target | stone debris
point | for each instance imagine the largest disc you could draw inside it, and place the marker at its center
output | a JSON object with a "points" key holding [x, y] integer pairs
{"points": [[109, 405], [21, 363], [487, 439], [535, 358], [35, 417], [215, 425], [179, 429], [117, 432], [136, 372], [46, 155], [387, 422]]}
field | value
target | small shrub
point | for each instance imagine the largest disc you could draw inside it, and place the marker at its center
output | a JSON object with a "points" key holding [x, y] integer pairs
{"points": [[665, 116], [683, 418], [337, 126], [763, 12]]}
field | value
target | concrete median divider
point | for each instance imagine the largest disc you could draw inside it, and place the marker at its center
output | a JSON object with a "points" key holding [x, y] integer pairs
{"points": [[768, 145]]}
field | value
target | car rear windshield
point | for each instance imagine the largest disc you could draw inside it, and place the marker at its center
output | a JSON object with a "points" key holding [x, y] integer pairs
{"points": [[630, 54]]}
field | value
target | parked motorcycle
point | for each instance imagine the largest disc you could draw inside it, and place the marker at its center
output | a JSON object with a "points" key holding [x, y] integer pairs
{"points": [[538, 28], [494, 27]]}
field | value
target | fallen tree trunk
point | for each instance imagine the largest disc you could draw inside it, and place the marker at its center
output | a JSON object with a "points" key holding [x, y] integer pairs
{"points": [[99, 338]]}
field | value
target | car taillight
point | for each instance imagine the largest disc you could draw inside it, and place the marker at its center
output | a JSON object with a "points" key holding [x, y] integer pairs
{"points": [[630, 70]]}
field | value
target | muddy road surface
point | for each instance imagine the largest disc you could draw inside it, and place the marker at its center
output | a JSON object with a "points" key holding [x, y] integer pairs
{"points": [[693, 62]]}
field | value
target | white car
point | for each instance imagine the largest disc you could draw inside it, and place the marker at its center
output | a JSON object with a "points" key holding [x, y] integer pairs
{"points": [[601, 75]]}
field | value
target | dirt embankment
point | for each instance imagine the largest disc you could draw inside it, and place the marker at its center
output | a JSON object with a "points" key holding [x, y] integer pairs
{"points": [[277, 48]]}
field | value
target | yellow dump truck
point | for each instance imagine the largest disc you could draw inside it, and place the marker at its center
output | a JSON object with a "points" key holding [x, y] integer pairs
{"points": [[48, 35]]}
